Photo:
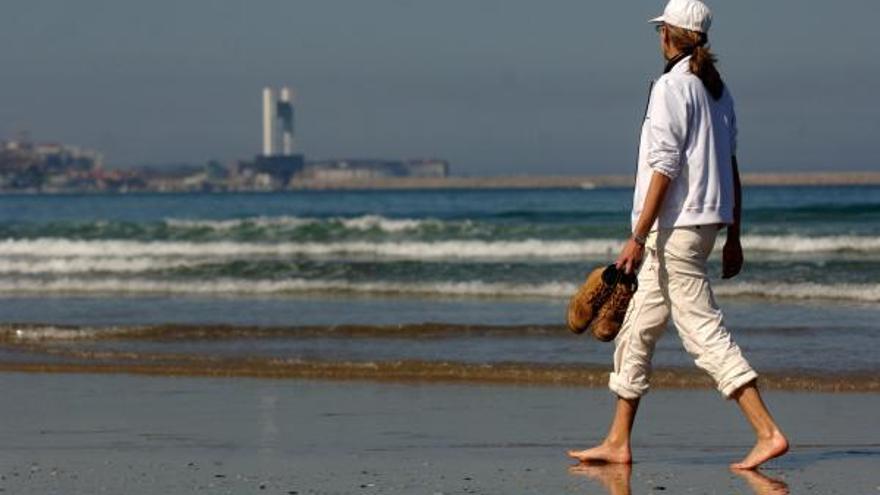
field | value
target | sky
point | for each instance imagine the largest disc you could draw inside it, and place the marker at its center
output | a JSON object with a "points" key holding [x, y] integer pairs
{"points": [[497, 87]]}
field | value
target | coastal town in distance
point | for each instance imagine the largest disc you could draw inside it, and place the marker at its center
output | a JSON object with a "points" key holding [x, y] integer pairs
{"points": [[30, 166]]}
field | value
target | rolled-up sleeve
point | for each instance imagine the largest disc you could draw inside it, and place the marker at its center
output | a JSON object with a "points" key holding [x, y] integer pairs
{"points": [[667, 129]]}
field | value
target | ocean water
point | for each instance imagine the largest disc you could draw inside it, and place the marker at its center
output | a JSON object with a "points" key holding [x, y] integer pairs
{"points": [[490, 271]]}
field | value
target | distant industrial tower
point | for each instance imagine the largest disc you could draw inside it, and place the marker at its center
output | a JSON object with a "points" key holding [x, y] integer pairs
{"points": [[278, 112], [278, 118]]}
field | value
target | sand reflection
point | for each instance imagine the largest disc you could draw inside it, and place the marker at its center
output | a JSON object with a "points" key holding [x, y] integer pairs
{"points": [[761, 484], [615, 478]]}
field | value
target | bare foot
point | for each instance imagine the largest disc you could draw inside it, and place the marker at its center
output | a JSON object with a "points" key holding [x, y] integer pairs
{"points": [[614, 477], [761, 484], [604, 452], [767, 448]]}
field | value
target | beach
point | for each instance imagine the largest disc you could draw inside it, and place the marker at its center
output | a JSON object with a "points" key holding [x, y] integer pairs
{"points": [[410, 342], [74, 433], [356, 248]]}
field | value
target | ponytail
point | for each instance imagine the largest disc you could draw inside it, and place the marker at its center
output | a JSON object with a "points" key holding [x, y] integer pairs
{"points": [[703, 66], [702, 63]]}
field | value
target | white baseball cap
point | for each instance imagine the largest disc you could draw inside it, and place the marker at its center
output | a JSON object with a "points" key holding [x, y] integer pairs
{"points": [[688, 14]]}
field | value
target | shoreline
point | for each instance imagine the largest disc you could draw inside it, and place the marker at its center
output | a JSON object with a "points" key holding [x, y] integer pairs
{"points": [[430, 373], [235, 351]]}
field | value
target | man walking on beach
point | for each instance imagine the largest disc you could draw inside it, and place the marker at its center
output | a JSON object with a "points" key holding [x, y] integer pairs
{"points": [[687, 189]]}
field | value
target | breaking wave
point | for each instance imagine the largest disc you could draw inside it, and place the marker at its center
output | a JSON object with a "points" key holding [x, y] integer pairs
{"points": [[818, 244], [70, 265], [412, 250], [365, 222], [554, 290], [223, 286], [446, 250], [802, 290]]}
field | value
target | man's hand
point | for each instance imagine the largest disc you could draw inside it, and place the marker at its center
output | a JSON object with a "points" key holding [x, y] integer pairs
{"points": [[731, 258], [630, 256]]}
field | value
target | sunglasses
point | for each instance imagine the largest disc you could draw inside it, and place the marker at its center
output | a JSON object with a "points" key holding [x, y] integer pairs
{"points": [[659, 27]]}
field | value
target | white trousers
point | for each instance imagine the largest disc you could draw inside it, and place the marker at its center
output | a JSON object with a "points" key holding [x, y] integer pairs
{"points": [[673, 282]]}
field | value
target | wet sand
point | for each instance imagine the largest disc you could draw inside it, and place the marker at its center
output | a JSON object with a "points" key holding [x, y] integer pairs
{"points": [[84, 433], [233, 351], [406, 371]]}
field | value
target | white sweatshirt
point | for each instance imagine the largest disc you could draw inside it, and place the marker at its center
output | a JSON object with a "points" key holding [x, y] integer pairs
{"points": [[690, 137]]}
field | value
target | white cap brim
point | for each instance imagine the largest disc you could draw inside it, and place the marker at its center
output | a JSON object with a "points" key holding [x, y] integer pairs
{"points": [[657, 20]]}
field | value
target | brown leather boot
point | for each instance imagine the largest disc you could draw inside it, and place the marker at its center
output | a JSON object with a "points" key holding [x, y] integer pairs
{"points": [[585, 303], [609, 318]]}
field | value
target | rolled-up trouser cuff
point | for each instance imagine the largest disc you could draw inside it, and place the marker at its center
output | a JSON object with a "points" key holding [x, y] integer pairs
{"points": [[736, 379], [727, 387], [625, 389]]}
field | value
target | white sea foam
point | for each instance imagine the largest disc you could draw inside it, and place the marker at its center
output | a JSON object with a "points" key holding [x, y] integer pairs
{"points": [[801, 244], [368, 222], [802, 290], [554, 290], [365, 222], [51, 333], [71, 265], [269, 287], [452, 250], [790, 243], [532, 249], [284, 222]]}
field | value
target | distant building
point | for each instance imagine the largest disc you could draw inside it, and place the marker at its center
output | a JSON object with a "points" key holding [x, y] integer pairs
{"points": [[25, 165], [427, 168], [273, 169], [54, 167], [282, 168], [211, 177], [360, 169], [279, 167]]}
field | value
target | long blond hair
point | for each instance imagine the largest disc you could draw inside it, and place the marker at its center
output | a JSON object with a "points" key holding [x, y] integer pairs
{"points": [[702, 63]]}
